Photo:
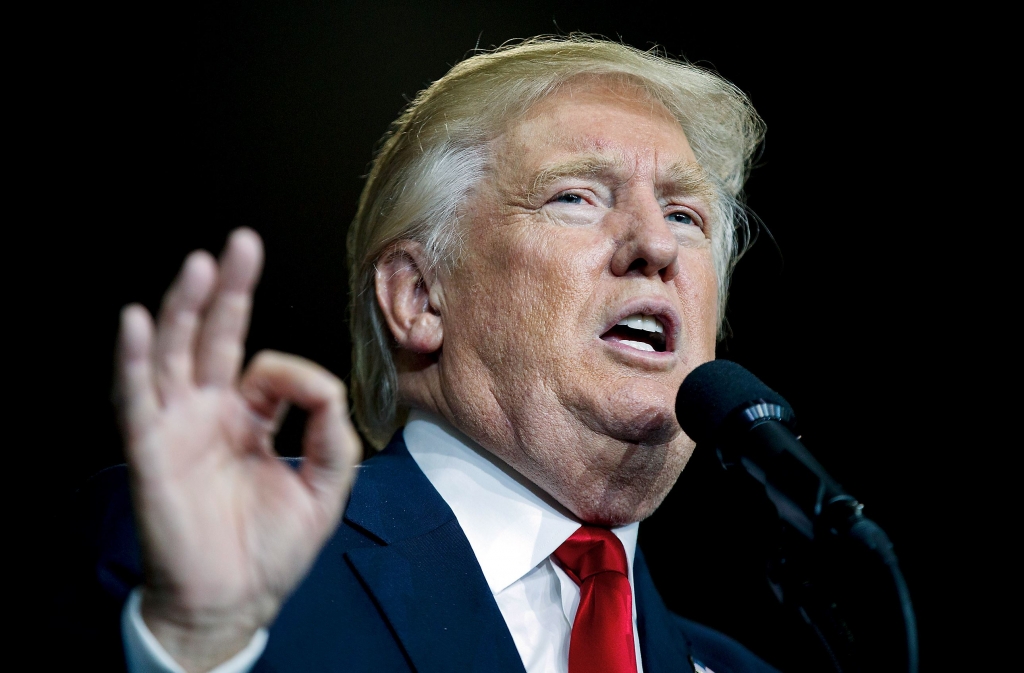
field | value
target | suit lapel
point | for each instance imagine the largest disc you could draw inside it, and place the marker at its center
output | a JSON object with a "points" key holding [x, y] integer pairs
{"points": [[662, 645], [425, 578]]}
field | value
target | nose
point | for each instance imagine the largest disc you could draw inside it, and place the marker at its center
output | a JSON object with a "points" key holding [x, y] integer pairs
{"points": [[649, 247]]}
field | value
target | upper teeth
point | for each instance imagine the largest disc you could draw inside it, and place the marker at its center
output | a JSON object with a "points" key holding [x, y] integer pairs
{"points": [[647, 323]]}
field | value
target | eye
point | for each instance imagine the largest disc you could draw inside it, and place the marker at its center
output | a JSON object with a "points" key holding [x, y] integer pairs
{"points": [[680, 218], [568, 197]]}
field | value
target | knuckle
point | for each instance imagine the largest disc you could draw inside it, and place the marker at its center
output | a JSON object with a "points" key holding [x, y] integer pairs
{"points": [[336, 388], [263, 358]]}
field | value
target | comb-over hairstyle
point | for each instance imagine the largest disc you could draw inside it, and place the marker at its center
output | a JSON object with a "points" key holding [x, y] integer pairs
{"points": [[437, 150]]}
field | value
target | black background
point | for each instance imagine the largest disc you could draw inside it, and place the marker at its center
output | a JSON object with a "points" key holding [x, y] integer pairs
{"points": [[153, 131]]}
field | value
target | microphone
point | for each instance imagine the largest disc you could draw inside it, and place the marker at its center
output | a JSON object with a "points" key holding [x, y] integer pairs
{"points": [[724, 406], [721, 404]]}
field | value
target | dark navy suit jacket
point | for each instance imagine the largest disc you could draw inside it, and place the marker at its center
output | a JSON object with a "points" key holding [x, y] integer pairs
{"points": [[397, 588]]}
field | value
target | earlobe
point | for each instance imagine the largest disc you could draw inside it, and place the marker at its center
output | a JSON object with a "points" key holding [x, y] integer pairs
{"points": [[407, 295], [426, 334]]}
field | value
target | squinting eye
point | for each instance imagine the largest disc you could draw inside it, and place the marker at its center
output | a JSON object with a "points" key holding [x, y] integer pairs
{"points": [[680, 218], [569, 198]]}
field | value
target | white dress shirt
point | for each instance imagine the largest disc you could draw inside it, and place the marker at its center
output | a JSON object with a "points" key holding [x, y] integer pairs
{"points": [[513, 528]]}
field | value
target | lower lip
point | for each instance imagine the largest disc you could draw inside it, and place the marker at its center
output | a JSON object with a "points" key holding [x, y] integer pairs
{"points": [[646, 355]]}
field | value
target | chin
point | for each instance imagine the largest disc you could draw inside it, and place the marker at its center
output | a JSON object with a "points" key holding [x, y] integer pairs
{"points": [[636, 415], [648, 430]]}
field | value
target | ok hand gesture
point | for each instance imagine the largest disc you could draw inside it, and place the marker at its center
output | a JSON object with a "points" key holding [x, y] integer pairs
{"points": [[227, 529]]}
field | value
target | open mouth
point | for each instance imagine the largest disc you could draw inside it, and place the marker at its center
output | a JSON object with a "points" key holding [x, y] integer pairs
{"points": [[639, 331]]}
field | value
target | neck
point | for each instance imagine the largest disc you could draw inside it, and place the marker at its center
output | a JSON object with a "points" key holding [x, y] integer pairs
{"points": [[599, 479]]}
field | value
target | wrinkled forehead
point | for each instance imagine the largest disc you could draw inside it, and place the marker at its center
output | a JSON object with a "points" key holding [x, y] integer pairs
{"points": [[590, 127]]}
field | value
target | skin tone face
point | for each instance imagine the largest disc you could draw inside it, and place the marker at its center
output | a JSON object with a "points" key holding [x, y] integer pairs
{"points": [[594, 212]]}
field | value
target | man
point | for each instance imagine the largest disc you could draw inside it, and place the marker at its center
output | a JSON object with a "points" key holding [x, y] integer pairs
{"points": [[540, 256]]}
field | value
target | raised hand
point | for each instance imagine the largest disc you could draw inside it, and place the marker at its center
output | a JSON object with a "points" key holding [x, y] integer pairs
{"points": [[227, 529]]}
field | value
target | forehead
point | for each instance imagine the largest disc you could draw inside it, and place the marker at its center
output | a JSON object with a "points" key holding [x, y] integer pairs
{"points": [[619, 124]]}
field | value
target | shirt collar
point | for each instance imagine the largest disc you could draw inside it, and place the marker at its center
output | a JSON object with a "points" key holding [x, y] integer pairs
{"points": [[511, 524]]}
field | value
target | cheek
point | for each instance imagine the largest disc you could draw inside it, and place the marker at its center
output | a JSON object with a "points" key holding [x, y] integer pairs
{"points": [[697, 287], [527, 286], [556, 274]]}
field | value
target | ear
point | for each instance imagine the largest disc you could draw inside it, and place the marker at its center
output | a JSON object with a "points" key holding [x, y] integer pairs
{"points": [[407, 293]]}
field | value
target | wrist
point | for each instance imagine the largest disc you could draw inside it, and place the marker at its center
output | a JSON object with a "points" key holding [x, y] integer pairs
{"points": [[198, 641]]}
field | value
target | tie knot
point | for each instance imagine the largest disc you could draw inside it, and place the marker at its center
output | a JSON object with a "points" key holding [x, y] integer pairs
{"points": [[591, 550]]}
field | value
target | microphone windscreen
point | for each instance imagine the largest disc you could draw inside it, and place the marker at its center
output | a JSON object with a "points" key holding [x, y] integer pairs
{"points": [[712, 391]]}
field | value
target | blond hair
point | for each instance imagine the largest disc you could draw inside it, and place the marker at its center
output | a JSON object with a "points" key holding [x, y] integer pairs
{"points": [[436, 151]]}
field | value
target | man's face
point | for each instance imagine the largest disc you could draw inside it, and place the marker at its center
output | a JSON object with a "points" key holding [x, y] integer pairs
{"points": [[594, 214]]}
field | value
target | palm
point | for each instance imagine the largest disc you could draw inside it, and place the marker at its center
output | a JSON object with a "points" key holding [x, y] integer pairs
{"points": [[227, 529], [236, 511]]}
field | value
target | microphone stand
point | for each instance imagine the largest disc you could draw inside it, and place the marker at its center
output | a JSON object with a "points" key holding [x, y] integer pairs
{"points": [[831, 564]]}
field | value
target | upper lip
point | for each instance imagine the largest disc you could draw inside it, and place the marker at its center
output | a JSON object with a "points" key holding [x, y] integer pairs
{"points": [[659, 308]]}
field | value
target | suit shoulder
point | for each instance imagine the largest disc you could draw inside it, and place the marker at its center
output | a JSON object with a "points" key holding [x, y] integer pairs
{"points": [[99, 563], [717, 652], [102, 527]]}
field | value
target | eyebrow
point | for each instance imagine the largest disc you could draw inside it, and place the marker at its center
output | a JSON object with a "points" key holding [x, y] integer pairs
{"points": [[583, 167], [682, 178], [686, 179]]}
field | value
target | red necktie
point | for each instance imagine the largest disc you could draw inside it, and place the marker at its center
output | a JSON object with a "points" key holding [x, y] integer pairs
{"points": [[602, 635]]}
